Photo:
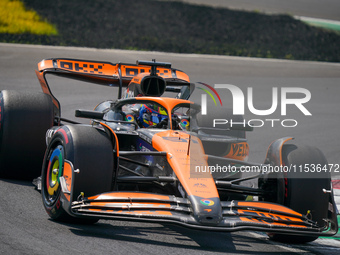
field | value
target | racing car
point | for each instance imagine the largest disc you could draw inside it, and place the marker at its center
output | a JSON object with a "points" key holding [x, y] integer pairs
{"points": [[149, 157]]}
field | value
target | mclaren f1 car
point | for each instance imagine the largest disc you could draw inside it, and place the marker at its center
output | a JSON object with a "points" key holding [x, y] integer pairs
{"points": [[147, 157]]}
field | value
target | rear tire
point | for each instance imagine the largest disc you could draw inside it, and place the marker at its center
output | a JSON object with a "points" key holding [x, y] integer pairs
{"points": [[90, 151], [303, 191], [24, 119]]}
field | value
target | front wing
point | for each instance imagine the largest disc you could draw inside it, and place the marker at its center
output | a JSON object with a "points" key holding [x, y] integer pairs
{"points": [[235, 215]]}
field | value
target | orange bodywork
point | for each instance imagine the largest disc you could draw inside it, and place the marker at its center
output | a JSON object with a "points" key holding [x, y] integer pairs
{"points": [[257, 221], [269, 206], [184, 163], [271, 216], [130, 194], [67, 174], [106, 69], [135, 212], [45, 88], [132, 207]]}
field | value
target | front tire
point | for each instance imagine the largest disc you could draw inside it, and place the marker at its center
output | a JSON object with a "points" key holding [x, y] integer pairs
{"points": [[90, 151], [303, 191]]}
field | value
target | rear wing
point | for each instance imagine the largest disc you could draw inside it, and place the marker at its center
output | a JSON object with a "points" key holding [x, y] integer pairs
{"points": [[105, 73]]}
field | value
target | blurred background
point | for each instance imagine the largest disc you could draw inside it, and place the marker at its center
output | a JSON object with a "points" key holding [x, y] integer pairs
{"points": [[300, 30]]}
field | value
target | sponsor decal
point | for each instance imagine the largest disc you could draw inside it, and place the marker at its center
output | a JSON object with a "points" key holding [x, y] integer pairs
{"points": [[92, 68], [185, 123], [133, 71], [200, 185], [207, 202], [240, 149], [130, 117]]}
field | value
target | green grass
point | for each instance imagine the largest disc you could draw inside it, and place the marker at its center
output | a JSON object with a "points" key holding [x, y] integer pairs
{"points": [[16, 19]]}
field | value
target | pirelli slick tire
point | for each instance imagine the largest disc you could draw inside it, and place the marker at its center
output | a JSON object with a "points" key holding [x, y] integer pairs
{"points": [[24, 119], [214, 148], [90, 151], [304, 190]]}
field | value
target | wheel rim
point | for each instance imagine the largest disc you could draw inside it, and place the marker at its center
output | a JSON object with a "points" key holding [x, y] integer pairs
{"points": [[53, 173]]}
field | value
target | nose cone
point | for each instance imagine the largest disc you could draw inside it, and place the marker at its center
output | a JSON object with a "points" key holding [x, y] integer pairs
{"points": [[207, 211]]}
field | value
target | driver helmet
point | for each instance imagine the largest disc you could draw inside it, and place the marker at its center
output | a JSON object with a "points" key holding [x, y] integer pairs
{"points": [[151, 115]]}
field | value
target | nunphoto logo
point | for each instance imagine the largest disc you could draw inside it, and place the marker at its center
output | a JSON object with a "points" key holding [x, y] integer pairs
{"points": [[288, 96]]}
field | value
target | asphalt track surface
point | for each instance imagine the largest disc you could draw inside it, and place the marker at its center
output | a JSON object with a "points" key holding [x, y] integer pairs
{"points": [[325, 9], [25, 228]]}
